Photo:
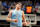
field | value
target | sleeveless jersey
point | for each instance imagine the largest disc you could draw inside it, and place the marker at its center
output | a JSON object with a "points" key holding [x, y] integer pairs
{"points": [[16, 15]]}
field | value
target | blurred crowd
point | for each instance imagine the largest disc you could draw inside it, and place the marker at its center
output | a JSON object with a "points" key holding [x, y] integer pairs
{"points": [[6, 6]]}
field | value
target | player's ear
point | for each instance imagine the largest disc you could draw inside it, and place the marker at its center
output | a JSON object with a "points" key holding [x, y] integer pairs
{"points": [[16, 5]]}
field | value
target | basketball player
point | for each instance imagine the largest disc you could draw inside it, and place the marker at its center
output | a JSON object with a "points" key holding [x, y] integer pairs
{"points": [[17, 15]]}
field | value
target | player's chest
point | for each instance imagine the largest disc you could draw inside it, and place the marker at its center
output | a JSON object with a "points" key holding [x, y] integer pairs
{"points": [[17, 13]]}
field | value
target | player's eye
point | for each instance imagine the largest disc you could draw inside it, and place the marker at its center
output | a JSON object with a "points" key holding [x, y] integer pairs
{"points": [[19, 4]]}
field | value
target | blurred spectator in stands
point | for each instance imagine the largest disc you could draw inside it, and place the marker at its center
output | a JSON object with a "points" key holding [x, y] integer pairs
{"points": [[8, 6], [10, 3], [30, 3], [5, 4], [27, 3], [1, 6], [36, 6], [14, 3], [12, 8], [23, 8], [5, 11], [37, 3], [38, 11], [33, 9], [39, 7]]}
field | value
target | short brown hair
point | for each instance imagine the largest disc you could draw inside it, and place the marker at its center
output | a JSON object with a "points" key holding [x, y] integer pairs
{"points": [[18, 2]]}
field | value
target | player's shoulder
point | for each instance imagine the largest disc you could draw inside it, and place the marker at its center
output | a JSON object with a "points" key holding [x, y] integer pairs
{"points": [[10, 10], [22, 11]]}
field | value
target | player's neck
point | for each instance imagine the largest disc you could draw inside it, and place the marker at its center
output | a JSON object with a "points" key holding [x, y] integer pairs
{"points": [[17, 9]]}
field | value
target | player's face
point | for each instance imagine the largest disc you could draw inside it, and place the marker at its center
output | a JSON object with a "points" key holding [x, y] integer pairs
{"points": [[19, 5]]}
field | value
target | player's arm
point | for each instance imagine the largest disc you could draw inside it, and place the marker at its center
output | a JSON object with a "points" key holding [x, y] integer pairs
{"points": [[9, 15], [23, 17], [24, 21]]}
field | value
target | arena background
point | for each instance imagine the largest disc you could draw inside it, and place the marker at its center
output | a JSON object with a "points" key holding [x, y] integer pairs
{"points": [[31, 9]]}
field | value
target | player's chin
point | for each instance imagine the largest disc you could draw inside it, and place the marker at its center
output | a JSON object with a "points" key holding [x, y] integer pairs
{"points": [[18, 7]]}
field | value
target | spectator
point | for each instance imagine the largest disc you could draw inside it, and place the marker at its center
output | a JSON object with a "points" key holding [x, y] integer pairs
{"points": [[31, 3], [5, 4], [36, 6], [39, 7], [23, 8], [5, 12], [10, 3], [37, 3], [38, 11], [8, 6], [1, 6], [33, 9]]}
